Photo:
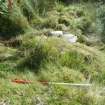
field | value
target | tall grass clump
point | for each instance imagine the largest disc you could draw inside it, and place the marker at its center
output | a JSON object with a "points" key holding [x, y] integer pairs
{"points": [[12, 21], [37, 54], [33, 7], [16, 20]]}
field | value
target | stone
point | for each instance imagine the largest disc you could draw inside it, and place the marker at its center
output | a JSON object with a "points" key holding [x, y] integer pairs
{"points": [[70, 38], [56, 33], [66, 35]]}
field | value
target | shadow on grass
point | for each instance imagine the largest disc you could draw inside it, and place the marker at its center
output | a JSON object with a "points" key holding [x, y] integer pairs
{"points": [[36, 58], [9, 28]]}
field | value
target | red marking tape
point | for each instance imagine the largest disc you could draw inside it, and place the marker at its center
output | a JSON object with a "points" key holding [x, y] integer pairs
{"points": [[29, 82], [21, 81], [44, 82]]}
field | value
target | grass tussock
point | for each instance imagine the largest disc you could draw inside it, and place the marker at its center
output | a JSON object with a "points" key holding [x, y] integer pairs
{"points": [[37, 52], [32, 55]]}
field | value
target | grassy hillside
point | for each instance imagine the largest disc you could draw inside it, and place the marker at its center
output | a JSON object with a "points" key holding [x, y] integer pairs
{"points": [[27, 52]]}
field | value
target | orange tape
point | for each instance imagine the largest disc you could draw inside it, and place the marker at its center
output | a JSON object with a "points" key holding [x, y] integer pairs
{"points": [[21, 81]]}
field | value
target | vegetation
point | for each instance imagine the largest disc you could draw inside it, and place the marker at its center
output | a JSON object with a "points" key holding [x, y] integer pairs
{"points": [[27, 52]]}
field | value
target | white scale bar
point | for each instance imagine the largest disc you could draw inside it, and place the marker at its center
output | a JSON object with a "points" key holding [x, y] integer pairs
{"points": [[71, 84]]}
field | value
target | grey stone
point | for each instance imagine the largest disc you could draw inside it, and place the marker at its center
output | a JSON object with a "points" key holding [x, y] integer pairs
{"points": [[70, 38], [56, 33], [66, 35]]}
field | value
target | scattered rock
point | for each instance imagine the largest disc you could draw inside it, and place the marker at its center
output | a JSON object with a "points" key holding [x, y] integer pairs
{"points": [[55, 33], [69, 37]]}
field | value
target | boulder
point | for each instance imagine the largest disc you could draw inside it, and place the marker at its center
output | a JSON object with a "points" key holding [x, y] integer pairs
{"points": [[70, 38], [66, 35], [56, 33]]}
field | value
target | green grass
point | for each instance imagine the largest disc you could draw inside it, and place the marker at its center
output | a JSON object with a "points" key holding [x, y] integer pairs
{"points": [[74, 64], [39, 57], [20, 94]]}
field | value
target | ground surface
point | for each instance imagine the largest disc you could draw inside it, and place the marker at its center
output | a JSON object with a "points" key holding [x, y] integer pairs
{"points": [[35, 56]]}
